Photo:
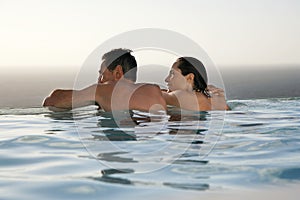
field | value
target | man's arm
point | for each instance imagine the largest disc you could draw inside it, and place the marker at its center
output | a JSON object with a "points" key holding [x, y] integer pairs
{"points": [[68, 99]]}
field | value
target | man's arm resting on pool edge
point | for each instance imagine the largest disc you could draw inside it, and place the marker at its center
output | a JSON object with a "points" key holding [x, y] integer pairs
{"points": [[68, 99]]}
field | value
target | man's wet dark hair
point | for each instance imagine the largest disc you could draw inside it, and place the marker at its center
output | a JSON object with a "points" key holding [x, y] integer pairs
{"points": [[124, 58], [193, 65]]}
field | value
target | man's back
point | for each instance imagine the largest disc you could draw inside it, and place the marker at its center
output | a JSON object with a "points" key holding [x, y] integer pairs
{"points": [[125, 95]]}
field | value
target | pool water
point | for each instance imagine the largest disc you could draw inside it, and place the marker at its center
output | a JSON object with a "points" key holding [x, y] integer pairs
{"points": [[91, 154]]}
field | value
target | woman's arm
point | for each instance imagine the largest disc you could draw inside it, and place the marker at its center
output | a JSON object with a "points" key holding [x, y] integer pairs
{"points": [[218, 100], [170, 98]]}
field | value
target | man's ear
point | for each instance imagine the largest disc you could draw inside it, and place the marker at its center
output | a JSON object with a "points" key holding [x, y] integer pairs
{"points": [[118, 72]]}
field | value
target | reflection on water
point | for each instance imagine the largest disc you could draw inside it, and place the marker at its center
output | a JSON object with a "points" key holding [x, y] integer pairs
{"points": [[113, 157], [48, 155], [139, 137], [147, 143]]}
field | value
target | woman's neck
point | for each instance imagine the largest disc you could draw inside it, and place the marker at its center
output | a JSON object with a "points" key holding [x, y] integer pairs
{"points": [[189, 88]]}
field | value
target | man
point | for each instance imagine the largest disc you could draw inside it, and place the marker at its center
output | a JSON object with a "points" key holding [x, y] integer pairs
{"points": [[116, 88]]}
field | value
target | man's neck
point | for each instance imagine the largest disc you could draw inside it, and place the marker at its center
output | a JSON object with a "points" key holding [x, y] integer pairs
{"points": [[126, 80]]}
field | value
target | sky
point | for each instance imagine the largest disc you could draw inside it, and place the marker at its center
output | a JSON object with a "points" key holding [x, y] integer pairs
{"points": [[38, 35]]}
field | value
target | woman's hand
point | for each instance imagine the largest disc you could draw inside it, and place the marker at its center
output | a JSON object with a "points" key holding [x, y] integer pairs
{"points": [[214, 91]]}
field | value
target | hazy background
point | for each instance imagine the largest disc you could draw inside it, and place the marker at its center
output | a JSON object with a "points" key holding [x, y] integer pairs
{"points": [[43, 43]]}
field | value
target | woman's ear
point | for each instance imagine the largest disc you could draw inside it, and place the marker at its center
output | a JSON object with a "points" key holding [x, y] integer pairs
{"points": [[190, 78], [118, 72]]}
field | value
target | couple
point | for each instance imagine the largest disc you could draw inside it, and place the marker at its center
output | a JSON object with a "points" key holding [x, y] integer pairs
{"points": [[116, 88]]}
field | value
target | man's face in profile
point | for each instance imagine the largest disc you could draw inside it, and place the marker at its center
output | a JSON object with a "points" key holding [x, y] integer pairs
{"points": [[105, 75]]}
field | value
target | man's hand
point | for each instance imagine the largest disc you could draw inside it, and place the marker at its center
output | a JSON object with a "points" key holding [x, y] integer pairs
{"points": [[59, 99]]}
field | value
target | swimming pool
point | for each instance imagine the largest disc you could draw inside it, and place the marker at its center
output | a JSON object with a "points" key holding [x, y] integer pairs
{"points": [[85, 154]]}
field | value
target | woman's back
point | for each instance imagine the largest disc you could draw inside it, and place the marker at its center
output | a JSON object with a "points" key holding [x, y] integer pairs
{"points": [[195, 100]]}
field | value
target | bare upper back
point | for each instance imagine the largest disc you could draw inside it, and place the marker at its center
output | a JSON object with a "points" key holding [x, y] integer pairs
{"points": [[195, 101], [124, 95]]}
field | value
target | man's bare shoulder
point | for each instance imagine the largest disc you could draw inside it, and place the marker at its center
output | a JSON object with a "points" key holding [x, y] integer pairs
{"points": [[148, 86], [104, 86], [148, 96]]}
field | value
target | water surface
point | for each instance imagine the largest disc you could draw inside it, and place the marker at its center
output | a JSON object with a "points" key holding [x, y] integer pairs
{"points": [[85, 154]]}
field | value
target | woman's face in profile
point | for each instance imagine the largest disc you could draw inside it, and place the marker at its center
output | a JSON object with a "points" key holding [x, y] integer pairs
{"points": [[175, 80]]}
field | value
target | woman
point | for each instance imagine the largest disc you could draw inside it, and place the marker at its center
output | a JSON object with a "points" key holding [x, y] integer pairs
{"points": [[187, 87]]}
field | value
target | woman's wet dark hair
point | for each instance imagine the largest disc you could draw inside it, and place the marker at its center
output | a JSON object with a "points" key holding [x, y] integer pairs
{"points": [[192, 65]]}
